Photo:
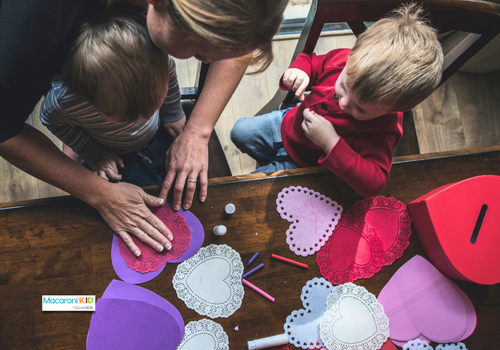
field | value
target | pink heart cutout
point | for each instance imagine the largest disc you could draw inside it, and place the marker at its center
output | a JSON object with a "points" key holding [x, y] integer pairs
{"points": [[422, 303], [313, 217], [390, 220], [353, 251]]}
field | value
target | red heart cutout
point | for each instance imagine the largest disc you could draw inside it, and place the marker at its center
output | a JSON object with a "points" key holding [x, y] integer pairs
{"points": [[390, 220], [353, 251]]}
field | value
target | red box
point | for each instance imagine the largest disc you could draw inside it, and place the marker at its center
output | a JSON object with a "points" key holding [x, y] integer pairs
{"points": [[459, 227]]}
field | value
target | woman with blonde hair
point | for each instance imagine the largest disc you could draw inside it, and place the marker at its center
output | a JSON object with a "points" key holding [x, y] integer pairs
{"points": [[35, 37]]}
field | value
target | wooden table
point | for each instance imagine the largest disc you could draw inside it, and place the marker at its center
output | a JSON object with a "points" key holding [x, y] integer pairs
{"points": [[62, 247]]}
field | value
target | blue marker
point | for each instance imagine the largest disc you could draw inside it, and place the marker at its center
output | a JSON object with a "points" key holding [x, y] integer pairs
{"points": [[245, 275], [252, 259]]}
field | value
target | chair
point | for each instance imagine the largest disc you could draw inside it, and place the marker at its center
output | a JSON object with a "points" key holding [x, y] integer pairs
{"points": [[218, 165], [479, 18]]}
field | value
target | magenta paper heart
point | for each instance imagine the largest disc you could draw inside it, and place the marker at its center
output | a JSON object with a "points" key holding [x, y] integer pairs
{"points": [[422, 303], [313, 217], [353, 251], [390, 220]]}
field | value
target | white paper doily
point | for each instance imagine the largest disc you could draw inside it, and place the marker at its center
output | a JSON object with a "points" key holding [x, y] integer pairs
{"points": [[204, 334], [354, 319], [417, 344], [457, 346], [210, 281]]}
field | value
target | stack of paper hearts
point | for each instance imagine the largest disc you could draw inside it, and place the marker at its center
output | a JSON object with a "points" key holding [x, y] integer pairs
{"points": [[131, 317], [342, 317], [188, 238], [422, 303], [370, 235]]}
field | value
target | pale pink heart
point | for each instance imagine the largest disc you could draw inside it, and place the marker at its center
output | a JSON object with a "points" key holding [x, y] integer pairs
{"points": [[313, 217], [422, 303]]}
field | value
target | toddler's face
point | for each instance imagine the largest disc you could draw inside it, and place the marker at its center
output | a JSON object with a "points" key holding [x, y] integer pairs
{"points": [[350, 104]]}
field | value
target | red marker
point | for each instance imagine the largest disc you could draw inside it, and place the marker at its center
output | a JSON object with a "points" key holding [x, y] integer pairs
{"points": [[293, 262]]}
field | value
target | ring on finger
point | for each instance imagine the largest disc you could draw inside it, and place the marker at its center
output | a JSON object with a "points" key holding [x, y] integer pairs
{"points": [[188, 180]]}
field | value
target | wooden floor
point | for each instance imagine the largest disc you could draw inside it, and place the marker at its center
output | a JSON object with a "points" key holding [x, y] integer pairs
{"points": [[463, 113]]}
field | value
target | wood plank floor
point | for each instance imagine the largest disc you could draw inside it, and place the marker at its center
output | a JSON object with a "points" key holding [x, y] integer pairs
{"points": [[463, 113]]}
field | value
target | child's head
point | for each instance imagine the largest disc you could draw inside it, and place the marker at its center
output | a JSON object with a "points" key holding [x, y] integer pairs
{"points": [[397, 62], [117, 68]]}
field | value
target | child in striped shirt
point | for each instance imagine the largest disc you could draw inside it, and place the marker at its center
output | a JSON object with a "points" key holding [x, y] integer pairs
{"points": [[118, 108]]}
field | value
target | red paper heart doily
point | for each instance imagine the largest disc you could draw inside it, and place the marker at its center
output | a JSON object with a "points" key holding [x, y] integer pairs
{"points": [[353, 251], [390, 220], [150, 260]]}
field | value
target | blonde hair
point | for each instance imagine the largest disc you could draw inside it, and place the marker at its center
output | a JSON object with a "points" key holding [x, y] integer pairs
{"points": [[232, 24], [397, 62], [117, 68]]}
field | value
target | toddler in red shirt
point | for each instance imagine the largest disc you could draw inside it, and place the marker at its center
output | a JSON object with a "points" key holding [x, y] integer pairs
{"points": [[352, 119]]}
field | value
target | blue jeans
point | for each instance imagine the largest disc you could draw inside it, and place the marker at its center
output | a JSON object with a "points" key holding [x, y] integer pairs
{"points": [[146, 167], [260, 138]]}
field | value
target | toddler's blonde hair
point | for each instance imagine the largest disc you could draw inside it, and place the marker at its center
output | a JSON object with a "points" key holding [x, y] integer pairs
{"points": [[116, 66], [397, 62]]}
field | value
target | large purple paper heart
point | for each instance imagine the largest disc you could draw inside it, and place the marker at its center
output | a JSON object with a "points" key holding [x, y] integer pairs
{"points": [[122, 290], [129, 324], [313, 218], [131, 276], [422, 303]]}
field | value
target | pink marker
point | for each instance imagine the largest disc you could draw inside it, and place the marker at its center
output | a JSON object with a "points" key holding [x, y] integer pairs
{"points": [[258, 290]]}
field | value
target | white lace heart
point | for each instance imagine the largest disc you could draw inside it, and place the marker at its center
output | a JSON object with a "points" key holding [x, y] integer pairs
{"points": [[204, 334], [353, 319], [210, 281]]}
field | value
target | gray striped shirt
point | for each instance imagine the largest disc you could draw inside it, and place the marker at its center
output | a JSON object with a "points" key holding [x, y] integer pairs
{"points": [[75, 122]]}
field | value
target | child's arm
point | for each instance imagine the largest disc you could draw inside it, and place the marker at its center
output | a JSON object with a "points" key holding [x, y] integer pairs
{"points": [[171, 113], [174, 129], [107, 167], [365, 169]]}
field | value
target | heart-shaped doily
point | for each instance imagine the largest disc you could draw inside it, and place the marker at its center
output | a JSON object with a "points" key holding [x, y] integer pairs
{"points": [[302, 326], [390, 220], [204, 334], [457, 346], [353, 251], [422, 303], [313, 218], [353, 320], [210, 281], [417, 344]]}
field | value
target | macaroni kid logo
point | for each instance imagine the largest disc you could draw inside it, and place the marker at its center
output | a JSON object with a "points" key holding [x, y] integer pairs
{"points": [[68, 302]]}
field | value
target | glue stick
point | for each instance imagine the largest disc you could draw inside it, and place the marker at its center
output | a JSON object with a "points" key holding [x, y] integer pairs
{"points": [[268, 342], [220, 230]]}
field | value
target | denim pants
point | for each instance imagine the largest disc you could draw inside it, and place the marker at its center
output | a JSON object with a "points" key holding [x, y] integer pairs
{"points": [[260, 138], [146, 167]]}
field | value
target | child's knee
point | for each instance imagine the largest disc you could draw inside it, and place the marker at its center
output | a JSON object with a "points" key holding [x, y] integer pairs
{"points": [[239, 132]]}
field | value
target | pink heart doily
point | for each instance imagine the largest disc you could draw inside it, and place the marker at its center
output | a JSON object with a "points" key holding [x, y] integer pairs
{"points": [[353, 251], [313, 218], [390, 220], [150, 260], [422, 303]]}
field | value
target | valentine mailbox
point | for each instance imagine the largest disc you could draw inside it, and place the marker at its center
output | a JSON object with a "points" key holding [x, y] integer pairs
{"points": [[459, 227]]}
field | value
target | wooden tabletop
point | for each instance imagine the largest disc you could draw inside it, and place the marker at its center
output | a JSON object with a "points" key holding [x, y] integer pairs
{"points": [[62, 247]]}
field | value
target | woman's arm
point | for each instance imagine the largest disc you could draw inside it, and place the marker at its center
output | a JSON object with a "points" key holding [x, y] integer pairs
{"points": [[187, 158]]}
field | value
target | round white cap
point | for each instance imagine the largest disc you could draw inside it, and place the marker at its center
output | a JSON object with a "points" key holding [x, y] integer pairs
{"points": [[230, 208]]}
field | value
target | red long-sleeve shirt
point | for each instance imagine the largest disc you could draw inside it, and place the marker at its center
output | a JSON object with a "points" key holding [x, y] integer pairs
{"points": [[363, 155]]}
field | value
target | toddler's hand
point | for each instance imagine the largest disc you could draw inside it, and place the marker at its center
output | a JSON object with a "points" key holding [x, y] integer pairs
{"points": [[319, 130], [107, 167], [174, 129], [296, 80]]}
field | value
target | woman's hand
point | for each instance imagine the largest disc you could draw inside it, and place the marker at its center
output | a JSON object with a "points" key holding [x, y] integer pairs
{"points": [[107, 167], [187, 159], [296, 80], [319, 130]]}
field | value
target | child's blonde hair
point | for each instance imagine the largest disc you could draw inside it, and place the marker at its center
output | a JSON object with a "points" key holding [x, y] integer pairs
{"points": [[232, 24], [115, 65], [397, 62]]}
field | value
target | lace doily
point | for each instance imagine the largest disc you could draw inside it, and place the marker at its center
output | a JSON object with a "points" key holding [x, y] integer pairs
{"points": [[353, 251], [353, 320], [417, 344], [390, 220], [150, 260], [302, 326], [313, 218], [210, 281], [422, 303], [457, 346], [204, 334]]}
